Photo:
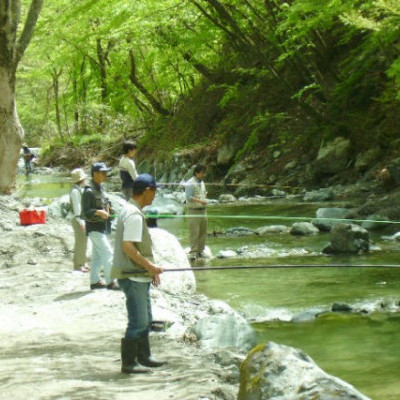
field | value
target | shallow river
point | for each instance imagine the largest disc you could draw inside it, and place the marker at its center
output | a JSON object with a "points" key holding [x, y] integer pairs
{"points": [[362, 350]]}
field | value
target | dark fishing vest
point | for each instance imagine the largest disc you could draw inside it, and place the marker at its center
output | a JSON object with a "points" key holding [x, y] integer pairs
{"points": [[93, 198]]}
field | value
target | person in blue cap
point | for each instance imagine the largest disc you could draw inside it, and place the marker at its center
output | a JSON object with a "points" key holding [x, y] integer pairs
{"points": [[135, 270], [96, 211]]}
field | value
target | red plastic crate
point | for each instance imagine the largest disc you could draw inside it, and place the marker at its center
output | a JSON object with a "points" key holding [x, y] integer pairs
{"points": [[32, 216]]}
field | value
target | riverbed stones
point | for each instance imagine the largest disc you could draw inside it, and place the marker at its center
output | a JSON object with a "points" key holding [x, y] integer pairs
{"points": [[278, 372], [272, 230], [376, 222], [327, 217], [347, 239], [227, 198], [303, 229], [324, 194]]}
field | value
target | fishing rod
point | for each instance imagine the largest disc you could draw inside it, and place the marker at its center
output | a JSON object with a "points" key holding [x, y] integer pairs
{"points": [[274, 266]]}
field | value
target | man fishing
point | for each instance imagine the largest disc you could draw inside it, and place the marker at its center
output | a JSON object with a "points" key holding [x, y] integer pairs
{"points": [[134, 268]]}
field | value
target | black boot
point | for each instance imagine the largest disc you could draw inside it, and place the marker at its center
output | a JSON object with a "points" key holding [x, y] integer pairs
{"points": [[144, 355], [129, 351]]}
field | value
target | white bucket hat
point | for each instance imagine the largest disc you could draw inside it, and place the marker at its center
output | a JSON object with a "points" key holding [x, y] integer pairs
{"points": [[78, 174]]}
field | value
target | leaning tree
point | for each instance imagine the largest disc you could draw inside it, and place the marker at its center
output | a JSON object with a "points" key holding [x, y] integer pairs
{"points": [[13, 43]]}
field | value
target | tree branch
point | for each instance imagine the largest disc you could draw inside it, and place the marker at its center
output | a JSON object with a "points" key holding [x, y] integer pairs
{"points": [[157, 106], [27, 32]]}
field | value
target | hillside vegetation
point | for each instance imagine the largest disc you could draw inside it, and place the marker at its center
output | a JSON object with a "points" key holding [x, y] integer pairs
{"points": [[234, 83]]}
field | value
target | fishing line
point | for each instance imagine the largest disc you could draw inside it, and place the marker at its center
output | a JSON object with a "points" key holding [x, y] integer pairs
{"points": [[275, 266], [265, 217]]}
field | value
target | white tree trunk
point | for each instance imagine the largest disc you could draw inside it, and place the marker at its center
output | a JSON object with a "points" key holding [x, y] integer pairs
{"points": [[11, 132]]}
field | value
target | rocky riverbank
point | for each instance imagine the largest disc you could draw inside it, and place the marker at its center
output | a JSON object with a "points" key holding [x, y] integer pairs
{"points": [[61, 340]]}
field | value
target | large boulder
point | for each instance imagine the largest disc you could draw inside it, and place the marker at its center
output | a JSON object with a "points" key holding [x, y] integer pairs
{"points": [[303, 229], [168, 253], [376, 222], [324, 194], [226, 329], [367, 159], [277, 372], [347, 238], [333, 157], [326, 218]]}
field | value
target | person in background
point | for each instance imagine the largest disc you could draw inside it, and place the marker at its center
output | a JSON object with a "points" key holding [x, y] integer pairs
{"points": [[127, 168], [196, 206], [28, 157], [78, 224], [96, 211], [134, 268]]}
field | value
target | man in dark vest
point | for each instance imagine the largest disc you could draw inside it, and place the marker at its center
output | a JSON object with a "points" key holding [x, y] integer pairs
{"points": [[134, 268], [96, 211]]}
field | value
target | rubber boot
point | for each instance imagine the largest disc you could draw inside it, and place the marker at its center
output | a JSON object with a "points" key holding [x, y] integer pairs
{"points": [[129, 349], [144, 355]]}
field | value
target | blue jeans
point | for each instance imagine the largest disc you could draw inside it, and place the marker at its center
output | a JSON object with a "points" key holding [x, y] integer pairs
{"points": [[102, 255], [138, 305]]}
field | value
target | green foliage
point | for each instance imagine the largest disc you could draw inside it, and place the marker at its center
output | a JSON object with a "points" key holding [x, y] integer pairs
{"points": [[263, 125], [218, 69]]}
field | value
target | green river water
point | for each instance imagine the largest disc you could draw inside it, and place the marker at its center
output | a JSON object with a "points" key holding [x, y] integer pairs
{"points": [[362, 350]]}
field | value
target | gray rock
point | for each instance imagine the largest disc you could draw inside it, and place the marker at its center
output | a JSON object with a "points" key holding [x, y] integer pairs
{"points": [[226, 254], [341, 307], [277, 372], [303, 229], [366, 159], [319, 195], [372, 222], [225, 330], [272, 229], [278, 193], [333, 157], [227, 198], [240, 231], [348, 238], [328, 217]]}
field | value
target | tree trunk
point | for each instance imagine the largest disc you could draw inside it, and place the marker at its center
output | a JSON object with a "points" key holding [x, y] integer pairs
{"points": [[55, 76], [11, 132], [12, 48]]}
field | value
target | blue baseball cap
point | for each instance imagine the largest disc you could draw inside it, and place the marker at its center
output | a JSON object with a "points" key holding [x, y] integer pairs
{"points": [[144, 181], [100, 166]]}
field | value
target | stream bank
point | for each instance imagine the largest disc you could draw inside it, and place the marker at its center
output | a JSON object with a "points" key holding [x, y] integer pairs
{"points": [[61, 340]]}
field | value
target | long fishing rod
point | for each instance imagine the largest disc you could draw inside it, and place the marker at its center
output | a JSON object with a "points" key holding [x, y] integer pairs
{"points": [[274, 266], [266, 217]]}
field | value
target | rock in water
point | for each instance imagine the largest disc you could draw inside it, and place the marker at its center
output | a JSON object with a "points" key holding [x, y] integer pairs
{"points": [[277, 372]]}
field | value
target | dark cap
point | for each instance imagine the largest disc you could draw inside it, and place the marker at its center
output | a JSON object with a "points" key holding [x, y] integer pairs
{"points": [[142, 182], [100, 166]]}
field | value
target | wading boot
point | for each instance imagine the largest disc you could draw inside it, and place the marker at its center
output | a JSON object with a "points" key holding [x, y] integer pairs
{"points": [[144, 355], [129, 350]]}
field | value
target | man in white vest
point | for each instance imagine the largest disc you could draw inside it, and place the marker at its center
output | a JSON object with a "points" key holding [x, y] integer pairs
{"points": [[135, 270], [196, 212]]}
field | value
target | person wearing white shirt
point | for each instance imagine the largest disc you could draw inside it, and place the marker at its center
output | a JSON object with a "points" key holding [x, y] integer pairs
{"points": [[127, 168], [134, 267], [196, 202]]}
